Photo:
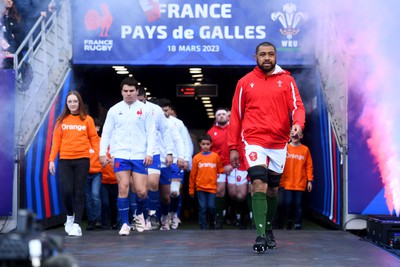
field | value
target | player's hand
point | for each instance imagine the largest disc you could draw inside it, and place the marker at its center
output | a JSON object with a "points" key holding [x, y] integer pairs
{"points": [[104, 160], [186, 165], [181, 163], [148, 160], [228, 169], [296, 130], [234, 157], [168, 160]]}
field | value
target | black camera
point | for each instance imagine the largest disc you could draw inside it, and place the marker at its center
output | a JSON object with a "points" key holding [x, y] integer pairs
{"points": [[28, 246]]}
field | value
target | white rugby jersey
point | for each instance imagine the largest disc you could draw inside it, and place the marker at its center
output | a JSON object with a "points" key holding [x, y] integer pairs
{"points": [[129, 130]]}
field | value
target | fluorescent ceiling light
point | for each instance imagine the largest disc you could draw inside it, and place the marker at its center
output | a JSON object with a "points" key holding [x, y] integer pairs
{"points": [[208, 105], [197, 75], [210, 110], [122, 72], [120, 68], [205, 98], [194, 69], [148, 93], [206, 101]]}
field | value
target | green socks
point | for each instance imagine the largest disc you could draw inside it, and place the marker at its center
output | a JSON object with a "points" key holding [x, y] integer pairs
{"points": [[272, 204], [249, 202], [259, 204]]}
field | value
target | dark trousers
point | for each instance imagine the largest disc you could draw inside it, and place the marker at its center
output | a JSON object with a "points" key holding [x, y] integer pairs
{"points": [[206, 203], [294, 202], [73, 174], [109, 210], [92, 197]]}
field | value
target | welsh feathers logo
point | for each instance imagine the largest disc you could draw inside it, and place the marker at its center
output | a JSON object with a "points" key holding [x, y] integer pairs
{"points": [[94, 20], [139, 112], [289, 20]]}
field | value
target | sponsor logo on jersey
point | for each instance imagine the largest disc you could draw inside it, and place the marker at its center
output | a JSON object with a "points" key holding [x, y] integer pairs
{"points": [[207, 164], [73, 127], [294, 156]]}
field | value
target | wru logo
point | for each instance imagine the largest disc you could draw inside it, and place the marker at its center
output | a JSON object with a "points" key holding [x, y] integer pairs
{"points": [[289, 19]]}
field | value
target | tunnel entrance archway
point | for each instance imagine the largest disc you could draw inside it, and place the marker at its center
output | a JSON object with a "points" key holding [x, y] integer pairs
{"points": [[100, 87]]}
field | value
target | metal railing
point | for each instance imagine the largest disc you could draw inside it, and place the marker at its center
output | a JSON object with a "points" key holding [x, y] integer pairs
{"points": [[41, 64]]}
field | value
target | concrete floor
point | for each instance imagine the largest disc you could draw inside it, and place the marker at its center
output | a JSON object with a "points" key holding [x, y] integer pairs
{"points": [[228, 247]]}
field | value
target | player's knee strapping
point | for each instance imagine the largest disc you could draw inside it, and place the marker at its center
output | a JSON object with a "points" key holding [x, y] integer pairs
{"points": [[153, 171], [258, 172], [175, 187]]}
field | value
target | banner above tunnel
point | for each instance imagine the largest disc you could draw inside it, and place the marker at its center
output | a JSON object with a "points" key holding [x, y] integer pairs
{"points": [[189, 32]]}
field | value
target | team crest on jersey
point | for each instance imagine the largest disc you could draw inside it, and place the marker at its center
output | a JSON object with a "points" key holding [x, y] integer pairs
{"points": [[139, 112], [116, 164], [252, 85], [238, 178], [279, 83], [253, 156]]}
